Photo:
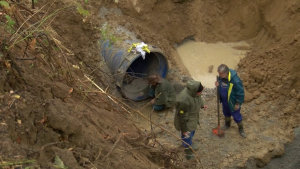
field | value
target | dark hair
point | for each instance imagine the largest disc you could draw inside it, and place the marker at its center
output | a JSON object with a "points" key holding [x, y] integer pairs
{"points": [[200, 88], [223, 68], [154, 78]]}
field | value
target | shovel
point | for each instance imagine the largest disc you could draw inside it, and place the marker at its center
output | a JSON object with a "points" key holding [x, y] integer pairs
{"points": [[218, 131]]}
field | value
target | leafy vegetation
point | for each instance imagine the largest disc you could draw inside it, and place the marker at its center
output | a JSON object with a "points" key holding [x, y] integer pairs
{"points": [[82, 11], [10, 23], [3, 164], [4, 3], [58, 163], [107, 35]]}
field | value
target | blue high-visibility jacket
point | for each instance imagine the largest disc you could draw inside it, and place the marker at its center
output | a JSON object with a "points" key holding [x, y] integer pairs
{"points": [[235, 89]]}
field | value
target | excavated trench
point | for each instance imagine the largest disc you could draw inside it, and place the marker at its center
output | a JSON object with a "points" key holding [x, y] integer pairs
{"points": [[83, 129], [269, 118], [222, 33]]}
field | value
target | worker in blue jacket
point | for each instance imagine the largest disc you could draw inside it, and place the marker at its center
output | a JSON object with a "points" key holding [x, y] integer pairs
{"points": [[231, 96]]}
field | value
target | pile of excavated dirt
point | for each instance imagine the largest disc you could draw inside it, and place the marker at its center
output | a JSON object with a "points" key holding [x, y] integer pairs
{"points": [[50, 109]]}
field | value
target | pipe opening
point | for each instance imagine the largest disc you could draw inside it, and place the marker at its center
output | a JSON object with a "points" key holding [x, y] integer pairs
{"points": [[135, 85], [131, 70]]}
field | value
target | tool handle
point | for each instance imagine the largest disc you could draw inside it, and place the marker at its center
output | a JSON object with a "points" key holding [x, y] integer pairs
{"points": [[218, 101]]}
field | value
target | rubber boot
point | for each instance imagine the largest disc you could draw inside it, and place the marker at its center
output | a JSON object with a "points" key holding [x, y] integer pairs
{"points": [[241, 129], [188, 154], [227, 123]]}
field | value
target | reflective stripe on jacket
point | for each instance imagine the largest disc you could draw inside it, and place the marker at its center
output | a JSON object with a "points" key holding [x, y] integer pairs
{"points": [[235, 89]]}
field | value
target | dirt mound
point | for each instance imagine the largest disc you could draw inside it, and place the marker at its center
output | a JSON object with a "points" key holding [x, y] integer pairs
{"points": [[269, 72], [49, 110]]}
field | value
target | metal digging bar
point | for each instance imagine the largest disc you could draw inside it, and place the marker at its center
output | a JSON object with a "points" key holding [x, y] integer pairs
{"points": [[218, 131]]}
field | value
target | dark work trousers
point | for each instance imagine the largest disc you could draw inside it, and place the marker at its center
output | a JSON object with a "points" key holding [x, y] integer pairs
{"points": [[187, 140], [226, 109]]}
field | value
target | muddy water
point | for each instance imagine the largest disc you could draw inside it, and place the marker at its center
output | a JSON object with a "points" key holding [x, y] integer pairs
{"points": [[202, 59]]}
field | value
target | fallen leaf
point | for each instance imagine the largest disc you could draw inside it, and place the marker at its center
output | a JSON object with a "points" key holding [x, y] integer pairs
{"points": [[76, 67], [7, 64], [4, 3], [70, 149], [58, 163], [16, 96], [43, 120], [19, 121], [19, 140], [106, 136], [71, 90], [32, 44]]}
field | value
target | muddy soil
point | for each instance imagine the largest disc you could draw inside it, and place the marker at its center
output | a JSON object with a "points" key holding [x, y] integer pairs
{"points": [[290, 159], [265, 139], [50, 109]]}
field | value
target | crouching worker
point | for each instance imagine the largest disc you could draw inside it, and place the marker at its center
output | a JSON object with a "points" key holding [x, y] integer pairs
{"points": [[162, 91], [188, 107]]}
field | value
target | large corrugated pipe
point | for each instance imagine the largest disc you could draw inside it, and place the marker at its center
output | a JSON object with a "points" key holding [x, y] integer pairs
{"points": [[131, 70]]}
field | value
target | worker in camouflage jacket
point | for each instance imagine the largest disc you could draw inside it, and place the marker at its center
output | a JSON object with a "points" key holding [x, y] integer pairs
{"points": [[162, 91], [188, 107]]}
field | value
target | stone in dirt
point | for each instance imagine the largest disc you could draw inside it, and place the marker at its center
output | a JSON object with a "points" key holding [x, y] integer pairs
{"points": [[293, 92], [263, 157], [157, 130], [248, 96], [257, 75], [263, 90], [161, 114], [210, 68], [245, 84], [291, 108], [257, 102], [256, 94]]}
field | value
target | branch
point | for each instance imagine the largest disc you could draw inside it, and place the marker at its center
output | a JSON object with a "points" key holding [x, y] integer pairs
{"points": [[53, 144], [32, 2], [106, 94], [113, 148]]}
